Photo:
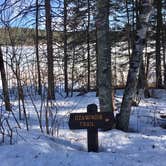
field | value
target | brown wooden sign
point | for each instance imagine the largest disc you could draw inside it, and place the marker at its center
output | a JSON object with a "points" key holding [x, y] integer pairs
{"points": [[92, 120]]}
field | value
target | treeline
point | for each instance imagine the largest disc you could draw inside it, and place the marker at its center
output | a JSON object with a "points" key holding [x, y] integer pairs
{"points": [[26, 36]]}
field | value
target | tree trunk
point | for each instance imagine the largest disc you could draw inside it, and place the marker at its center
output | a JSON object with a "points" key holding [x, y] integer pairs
{"points": [[50, 95], [128, 28], [147, 60], [164, 62], [158, 45], [4, 83], [65, 49], [97, 64], [73, 62], [104, 56], [88, 45], [37, 49], [135, 62], [142, 81], [164, 53], [21, 96]]}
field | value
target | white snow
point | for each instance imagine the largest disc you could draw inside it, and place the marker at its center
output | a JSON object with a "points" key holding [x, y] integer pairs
{"points": [[145, 145]]}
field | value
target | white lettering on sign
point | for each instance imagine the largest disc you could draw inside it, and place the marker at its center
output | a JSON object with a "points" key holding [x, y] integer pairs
{"points": [[87, 124], [88, 117]]}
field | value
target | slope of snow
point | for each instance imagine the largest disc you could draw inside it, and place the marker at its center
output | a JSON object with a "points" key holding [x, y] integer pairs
{"points": [[144, 146]]}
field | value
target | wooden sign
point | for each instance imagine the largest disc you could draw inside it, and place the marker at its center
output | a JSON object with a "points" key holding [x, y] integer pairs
{"points": [[92, 120]]}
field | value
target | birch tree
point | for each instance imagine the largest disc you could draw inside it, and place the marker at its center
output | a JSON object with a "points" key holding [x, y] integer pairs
{"points": [[145, 10]]}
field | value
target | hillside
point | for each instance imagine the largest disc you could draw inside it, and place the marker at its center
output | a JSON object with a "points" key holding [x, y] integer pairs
{"points": [[26, 36], [23, 36]]}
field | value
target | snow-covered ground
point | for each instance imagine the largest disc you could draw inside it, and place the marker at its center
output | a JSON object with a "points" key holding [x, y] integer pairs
{"points": [[144, 145]]}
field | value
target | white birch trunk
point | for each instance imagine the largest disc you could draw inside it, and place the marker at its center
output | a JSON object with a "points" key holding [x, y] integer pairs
{"points": [[135, 62]]}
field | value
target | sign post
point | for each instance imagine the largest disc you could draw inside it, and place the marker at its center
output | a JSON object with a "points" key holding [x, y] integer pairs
{"points": [[92, 134], [92, 120]]}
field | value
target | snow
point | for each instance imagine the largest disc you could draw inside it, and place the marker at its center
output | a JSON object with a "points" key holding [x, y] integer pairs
{"points": [[144, 145]]}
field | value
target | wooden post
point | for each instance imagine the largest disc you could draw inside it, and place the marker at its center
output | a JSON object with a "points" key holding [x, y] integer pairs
{"points": [[92, 134], [92, 121]]}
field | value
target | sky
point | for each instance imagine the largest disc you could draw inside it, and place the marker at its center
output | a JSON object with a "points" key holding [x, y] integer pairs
{"points": [[11, 14], [28, 19], [14, 15]]}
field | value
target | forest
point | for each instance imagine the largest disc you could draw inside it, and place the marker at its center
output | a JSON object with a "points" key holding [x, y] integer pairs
{"points": [[75, 74]]}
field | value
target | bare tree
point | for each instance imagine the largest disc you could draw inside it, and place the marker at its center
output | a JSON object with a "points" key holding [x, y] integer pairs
{"points": [[49, 35], [4, 82], [88, 43], [158, 45], [65, 49], [6, 94], [37, 48]]}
